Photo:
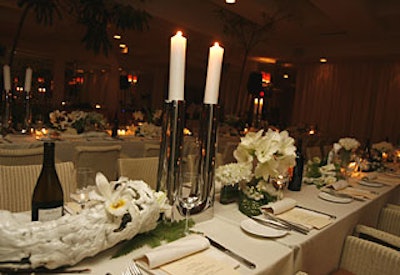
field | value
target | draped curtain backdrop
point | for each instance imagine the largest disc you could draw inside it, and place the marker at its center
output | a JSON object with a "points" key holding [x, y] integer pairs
{"points": [[358, 99]]}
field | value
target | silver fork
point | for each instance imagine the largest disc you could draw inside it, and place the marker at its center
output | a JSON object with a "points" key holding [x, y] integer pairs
{"points": [[132, 269]]}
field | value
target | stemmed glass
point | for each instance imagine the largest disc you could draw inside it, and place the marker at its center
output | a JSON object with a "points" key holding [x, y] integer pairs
{"points": [[279, 182], [191, 194], [85, 179]]}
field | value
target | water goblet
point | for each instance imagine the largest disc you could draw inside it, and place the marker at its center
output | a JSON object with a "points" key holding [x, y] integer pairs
{"points": [[85, 178], [190, 194], [279, 182]]}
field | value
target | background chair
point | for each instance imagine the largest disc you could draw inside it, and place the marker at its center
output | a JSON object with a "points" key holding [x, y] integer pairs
{"points": [[17, 184], [145, 169], [99, 159], [362, 257], [389, 220], [23, 156], [151, 150], [377, 236]]}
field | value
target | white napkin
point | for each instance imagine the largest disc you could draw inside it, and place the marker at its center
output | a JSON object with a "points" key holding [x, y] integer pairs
{"points": [[174, 251], [279, 207], [339, 185]]}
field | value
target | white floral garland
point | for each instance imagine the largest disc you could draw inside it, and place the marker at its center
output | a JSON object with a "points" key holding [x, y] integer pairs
{"points": [[124, 208]]}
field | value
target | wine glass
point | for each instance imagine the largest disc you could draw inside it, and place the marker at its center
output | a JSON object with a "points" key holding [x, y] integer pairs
{"points": [[190, 194], [279, 182], [85, 179]]}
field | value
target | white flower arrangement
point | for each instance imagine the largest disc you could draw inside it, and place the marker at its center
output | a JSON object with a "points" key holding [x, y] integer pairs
{"points": [[348, 144], [80, 120], [259, 155], [271, 152], [383, 147], [60, 120], [320, 175], [149, 130]]}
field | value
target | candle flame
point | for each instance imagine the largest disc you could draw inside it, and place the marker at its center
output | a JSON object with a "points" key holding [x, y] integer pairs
{"points": [[216, 44], [179, 33]]}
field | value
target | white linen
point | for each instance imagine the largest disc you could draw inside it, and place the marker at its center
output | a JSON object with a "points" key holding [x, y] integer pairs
{"points": [[174, 250], [280, 206]]}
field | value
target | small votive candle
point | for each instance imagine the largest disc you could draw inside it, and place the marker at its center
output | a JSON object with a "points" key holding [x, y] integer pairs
{"points": [[384, 156]]}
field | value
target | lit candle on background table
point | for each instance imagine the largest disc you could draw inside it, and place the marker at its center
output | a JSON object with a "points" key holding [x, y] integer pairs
{"points": [[7, 78], [255, 106], [260, 106], [28, 79], [177, 67], [213, 74]]}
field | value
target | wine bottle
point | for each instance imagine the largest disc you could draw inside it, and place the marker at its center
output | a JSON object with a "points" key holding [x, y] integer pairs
{"points": [[47, 198], [297, 177]]}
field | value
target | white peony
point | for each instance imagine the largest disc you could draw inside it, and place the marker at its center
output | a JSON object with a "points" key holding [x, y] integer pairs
{"points": [[349, 143]]}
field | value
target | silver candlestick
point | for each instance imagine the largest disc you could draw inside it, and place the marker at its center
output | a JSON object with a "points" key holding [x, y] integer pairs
{"points": [[6, 107], [170, 158]]}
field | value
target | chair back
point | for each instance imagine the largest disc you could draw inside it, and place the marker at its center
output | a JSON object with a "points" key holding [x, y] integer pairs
{"points": [[151, 150], [98, 158], [364, 257], [389, 220], [140, 169], [17, 184], [22, 156]]}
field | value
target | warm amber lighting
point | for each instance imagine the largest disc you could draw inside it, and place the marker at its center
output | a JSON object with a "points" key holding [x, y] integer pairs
{"points": [[40, 80], [125, 50], [187, 132], [268, 60], [323, 60], [117, 36], [97, 106], [384, 156], [230, 1], [41, 90], [63, 103], [122, 46], [266, 77], [286, 76]]}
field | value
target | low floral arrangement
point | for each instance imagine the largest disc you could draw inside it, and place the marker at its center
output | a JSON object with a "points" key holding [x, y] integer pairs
{"points": [[320, 173], [260, 155], [119, 211], [342, 151], [383, 147], [78, 120], [149, 130]]}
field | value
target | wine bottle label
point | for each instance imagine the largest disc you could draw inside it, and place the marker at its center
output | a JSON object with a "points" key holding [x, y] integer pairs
{"points": [[50, 214]]}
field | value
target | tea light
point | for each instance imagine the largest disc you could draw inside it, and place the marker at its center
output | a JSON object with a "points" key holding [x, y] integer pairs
{"points": [[384, 156]]}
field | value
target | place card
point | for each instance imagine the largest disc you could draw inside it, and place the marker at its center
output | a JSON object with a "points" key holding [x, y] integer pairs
{"points": [[205, 262], [307, 218]]}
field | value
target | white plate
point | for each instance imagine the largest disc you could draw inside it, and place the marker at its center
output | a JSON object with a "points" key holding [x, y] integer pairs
{"points": [[370, 184], [335, 199], [255, 228]]}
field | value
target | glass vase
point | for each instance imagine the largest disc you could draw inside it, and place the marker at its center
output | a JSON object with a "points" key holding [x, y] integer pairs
{"points": [[229, 194]]}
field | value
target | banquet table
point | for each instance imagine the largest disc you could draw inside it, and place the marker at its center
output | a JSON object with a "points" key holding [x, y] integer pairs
{"points": [[319, 251]]}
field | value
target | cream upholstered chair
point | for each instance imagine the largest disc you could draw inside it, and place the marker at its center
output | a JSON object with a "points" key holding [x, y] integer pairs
{"points": [[393, 206], [17, 184], [378, 236], [99, 159], [361, 257], [145, 169], [21, 156], [389, 220], [151, 150]]}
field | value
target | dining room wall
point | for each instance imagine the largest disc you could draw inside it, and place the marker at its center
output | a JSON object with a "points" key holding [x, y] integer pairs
{"points": [[350, 98]]}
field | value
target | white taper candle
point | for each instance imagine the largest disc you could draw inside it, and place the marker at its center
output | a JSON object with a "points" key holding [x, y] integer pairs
{"points": [[213, 74], [177, 67]]}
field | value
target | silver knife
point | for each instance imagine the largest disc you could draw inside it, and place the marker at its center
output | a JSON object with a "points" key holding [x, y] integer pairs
{"points": [[293, 226], [270, 223], [231, 253]]}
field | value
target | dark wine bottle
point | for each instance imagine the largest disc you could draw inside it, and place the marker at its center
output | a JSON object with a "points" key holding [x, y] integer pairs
{"points": [[48, 198], [297, 177]]}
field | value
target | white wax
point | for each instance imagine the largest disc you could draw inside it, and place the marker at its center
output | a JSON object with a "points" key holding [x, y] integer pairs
{"points": [[28, 79], [213, 74], [260, 105], [177, 67], [7, 78]]}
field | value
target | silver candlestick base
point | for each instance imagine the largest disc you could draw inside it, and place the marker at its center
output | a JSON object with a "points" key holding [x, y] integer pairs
{"points": [[6, 110], [170, 158]]}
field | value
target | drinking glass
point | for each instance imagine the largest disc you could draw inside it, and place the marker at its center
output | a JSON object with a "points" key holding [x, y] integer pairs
{"points": [[279, 182], [85, 180], [191, 194]]}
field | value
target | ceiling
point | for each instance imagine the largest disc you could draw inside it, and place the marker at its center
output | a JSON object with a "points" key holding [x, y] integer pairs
{"points": [[339, 29]]}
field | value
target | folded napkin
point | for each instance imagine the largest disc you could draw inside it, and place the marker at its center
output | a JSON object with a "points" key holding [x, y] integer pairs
{"points": [[338, 185], [191, 255], [280, 206], [175, 250]]}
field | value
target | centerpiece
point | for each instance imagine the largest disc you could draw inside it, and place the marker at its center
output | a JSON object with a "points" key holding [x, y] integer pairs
{"points": [[78, 121], [261, 156]]}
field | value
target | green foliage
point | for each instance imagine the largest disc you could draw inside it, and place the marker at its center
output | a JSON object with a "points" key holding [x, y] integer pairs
{"points": [[164, 232]]}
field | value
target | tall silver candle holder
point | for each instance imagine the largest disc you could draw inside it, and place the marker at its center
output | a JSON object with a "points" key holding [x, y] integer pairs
{"points": [[208, 148], [6, 110], [28, 113], [170, 158]]}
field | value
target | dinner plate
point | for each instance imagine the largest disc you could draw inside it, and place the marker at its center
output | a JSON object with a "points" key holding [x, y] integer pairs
{"points": [[255, 228], [370, 184], [332, 198]]}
